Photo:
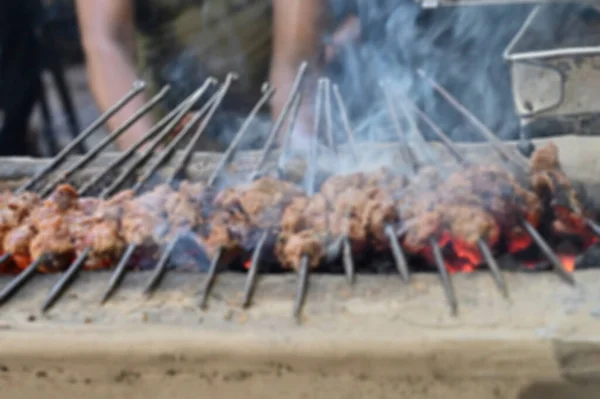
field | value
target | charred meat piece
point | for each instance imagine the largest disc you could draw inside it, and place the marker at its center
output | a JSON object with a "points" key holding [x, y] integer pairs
{"points": [[16, 242], [228, 230], [263, 200], [144, 219], [291, 248], [184, 207], [53, 239], [63, 198], [346, 217], [292, 219], [335, 185], [420, 229], [469, 224], [376, 217], [14, 209], [554, 188]]}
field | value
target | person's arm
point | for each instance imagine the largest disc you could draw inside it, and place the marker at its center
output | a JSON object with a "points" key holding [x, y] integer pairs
{"points": [[107, 31], [298, 29]]}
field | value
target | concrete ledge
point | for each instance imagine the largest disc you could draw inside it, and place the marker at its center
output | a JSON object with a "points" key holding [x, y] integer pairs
{"points": [[380, 331]]}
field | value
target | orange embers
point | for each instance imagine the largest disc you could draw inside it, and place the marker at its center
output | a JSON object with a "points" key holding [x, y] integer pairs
{"points": [[568, 262], [464, 257], [247, 264], [460, 256]]}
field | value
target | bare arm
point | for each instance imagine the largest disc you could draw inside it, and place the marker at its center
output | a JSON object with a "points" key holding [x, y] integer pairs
{"points": [[297, 36], [107, 31]]}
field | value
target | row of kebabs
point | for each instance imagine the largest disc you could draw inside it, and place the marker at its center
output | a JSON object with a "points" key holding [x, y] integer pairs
{"points": [[477, 202]]}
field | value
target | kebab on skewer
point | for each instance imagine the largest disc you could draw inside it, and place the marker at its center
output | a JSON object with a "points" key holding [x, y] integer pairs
{"points": [[476, 203]]}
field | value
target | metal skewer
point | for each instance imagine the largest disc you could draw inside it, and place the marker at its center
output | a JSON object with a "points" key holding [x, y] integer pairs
{"points": [[60, 287], [438, 258], [91, 155], [224, 161], [347, 260], [558, 266], [22, 278], [117, 276], [302, 287], [345, 121], [483, 246], [210, 278], [252, 275], [160, 268], [253, 270], [414, 167], [121, 269], [303, 273], [137, 88], [71, 273]]}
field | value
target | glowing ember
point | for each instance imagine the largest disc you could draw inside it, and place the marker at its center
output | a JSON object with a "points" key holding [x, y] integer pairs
{"points": [[518, 241], [568, 262], [247, 264]]}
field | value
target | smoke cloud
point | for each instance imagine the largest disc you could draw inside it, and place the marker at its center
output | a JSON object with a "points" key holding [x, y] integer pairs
{"points": [[461, 48]]}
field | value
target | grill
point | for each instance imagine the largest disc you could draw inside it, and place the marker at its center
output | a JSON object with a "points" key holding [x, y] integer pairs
{"points": [[176, 161], [155, 162]]}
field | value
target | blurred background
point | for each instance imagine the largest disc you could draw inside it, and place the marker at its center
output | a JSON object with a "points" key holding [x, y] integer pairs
{"points": [[43, 78]]}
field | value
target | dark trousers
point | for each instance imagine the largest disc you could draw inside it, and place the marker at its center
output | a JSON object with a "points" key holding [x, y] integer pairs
{"points": [[20, 74]]}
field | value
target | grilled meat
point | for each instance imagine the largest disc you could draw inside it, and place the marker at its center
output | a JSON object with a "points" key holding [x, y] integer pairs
{"points": [[478, 203], [553, 187]]}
